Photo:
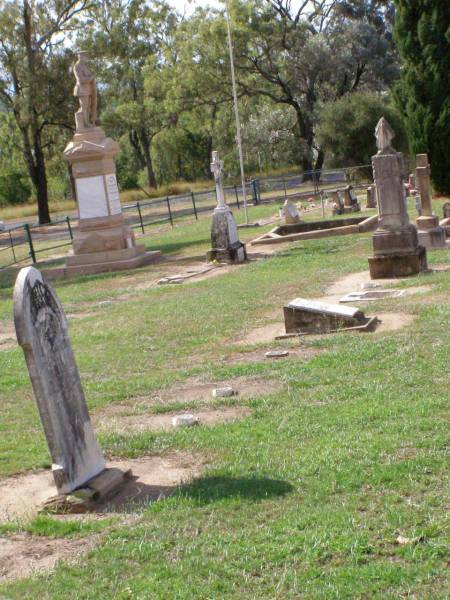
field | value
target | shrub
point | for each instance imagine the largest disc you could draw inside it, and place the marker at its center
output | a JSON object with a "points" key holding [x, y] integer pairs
{"points": [[14, 188]]}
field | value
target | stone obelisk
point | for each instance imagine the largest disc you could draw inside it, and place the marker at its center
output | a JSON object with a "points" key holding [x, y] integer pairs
{"points": [[225, 242], [395, 243], [429, 233], [103, 242]]}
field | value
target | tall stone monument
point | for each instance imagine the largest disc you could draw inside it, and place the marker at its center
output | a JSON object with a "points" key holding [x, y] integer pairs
{"points": [[225, 242], [103, 242], [41, 328], [395, 244], [430, 234]]}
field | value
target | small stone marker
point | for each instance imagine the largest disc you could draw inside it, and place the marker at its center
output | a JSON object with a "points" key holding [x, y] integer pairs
{"points": [[223, 392], [277, 354], [185, 421], [290, 213], [430, 233], [41, 328]]}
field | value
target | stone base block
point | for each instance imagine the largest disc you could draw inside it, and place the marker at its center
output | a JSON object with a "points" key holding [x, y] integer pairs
{"points": [[398, 265], [236, 253], [107, 239], [310, 316], [400, 241], [432, 238], [109, 262], [426, 222]]}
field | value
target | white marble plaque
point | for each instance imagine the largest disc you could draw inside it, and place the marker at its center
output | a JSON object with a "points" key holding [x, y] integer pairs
{"points": [[113, 194], [91, 197]]}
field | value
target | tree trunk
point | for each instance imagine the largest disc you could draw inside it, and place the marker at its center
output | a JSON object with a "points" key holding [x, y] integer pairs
{"points": [[319, 162], [305, 137], [145, 143], [40, 184]]}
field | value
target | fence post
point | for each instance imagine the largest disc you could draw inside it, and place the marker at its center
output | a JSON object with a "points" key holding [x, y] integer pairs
{"points": [[12, 246], [237, 197], [169, 210], [30, 243], [285, 189], [193, 204], [69, 227], [140, 215]]}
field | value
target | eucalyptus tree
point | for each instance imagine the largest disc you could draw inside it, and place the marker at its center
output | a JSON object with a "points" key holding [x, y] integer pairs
{"points": [[129, 39], [34, 78], [317, 53]]}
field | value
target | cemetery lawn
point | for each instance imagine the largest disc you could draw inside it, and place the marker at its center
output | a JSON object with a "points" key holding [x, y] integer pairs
{"points": [[307, 495]]}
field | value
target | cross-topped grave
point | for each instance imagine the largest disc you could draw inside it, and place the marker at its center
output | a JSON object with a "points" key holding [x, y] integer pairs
{"points": [[225, 242], [41, 328]]}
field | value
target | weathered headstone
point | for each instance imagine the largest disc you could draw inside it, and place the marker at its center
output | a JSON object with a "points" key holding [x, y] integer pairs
{"points": [[290, 213], [371, 197], [430, 234], [225, 242], [395, 244], [41, 328]]}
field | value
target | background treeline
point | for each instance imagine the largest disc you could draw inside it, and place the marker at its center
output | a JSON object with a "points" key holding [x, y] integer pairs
{"points": [[313, 79]]}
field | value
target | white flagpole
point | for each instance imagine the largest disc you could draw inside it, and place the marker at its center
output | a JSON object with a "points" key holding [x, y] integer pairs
{"points": [[236, 112]]}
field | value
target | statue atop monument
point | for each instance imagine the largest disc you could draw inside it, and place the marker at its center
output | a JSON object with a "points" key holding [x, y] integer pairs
{"points": [[86, 91], [384, 134]]}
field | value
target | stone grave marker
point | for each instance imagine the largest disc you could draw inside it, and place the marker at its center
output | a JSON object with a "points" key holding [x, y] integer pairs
{"points": [[225, 242], [395, 243], [371, 197], [430, 234], [290, 213], [41, 329]]}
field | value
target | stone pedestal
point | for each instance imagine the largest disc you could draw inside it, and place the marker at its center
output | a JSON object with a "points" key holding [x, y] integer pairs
{"points": [[225, 243], [395, 242], [431, 235], [102, 236]]}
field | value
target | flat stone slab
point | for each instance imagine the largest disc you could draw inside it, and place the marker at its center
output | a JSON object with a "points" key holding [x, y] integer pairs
{"points": [[372, 295], [223, 392], [185, 421], [277, 354], [313, 316], [316, 306]]}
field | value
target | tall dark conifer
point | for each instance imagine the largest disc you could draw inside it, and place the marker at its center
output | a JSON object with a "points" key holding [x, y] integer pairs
{"points": [[422, 30]]}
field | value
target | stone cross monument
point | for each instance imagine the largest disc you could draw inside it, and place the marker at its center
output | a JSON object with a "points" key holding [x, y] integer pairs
{"points": [[429, 232], [395, 243], [41, 328], [103, 242], [224, 234]]}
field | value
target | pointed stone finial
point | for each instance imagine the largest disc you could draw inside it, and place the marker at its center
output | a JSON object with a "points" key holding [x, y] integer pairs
{"points": [[384, 134]]}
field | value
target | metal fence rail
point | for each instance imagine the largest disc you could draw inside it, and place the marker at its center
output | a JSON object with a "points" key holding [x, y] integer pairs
{"points": [[32, 242]]}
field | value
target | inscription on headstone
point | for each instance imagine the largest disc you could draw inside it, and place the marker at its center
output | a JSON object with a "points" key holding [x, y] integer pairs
{"points": [[41, 328]]}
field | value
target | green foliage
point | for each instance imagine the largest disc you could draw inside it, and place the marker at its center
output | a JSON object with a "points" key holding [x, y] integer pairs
{"points": [[423, 94], [14, 188], [347, 126]]}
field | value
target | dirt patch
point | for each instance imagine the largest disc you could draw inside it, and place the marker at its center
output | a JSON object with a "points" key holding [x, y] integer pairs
{"points": [[7, 337], [154, 477], [126, 424], [22, 555], [193, 391], [393, 321], [262, 335]]}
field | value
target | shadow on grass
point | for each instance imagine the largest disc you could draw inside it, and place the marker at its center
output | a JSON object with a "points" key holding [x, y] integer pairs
{"points": [[213, 489]]}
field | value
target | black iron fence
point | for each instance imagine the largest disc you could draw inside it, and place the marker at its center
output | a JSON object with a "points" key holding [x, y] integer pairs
{"points": [[33, 243]]}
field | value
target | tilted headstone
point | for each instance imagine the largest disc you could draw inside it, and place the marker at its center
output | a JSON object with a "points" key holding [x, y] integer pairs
{"points": [[225, 242], [431, 235], [395, 243], [41, 328], [371, 197]]}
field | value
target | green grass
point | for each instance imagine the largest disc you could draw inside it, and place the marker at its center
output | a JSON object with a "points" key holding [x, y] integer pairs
{"points": [[303, 498]]}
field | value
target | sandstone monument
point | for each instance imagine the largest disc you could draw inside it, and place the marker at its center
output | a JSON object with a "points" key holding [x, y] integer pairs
{"points": [[395, 243], [103, 242], [430, 234], [225, 242]]}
